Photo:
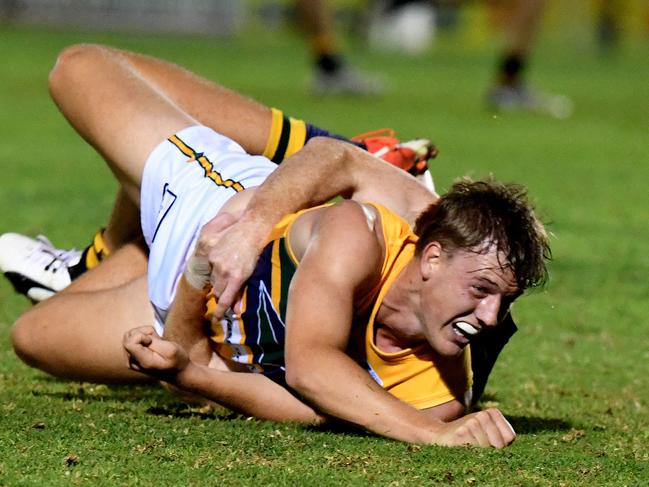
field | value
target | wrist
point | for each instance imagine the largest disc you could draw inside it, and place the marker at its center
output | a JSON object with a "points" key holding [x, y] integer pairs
{"points": [[186, 377], [420, 429], [257, 226]]}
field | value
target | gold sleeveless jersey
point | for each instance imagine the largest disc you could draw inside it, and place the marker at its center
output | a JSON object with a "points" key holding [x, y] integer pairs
{"points": [[255, 336], [413, 375]]}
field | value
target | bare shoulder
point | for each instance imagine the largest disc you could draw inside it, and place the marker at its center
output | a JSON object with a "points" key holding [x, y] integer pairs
{"points": [[348, 229]]}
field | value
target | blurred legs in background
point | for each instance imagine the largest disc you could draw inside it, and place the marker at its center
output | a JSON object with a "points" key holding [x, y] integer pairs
{"points": [[331, 74], [408, 27], [521, 19], [609, 24]]}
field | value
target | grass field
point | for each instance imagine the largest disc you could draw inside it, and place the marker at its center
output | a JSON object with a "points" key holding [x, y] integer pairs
{"points": [[573, 380]]}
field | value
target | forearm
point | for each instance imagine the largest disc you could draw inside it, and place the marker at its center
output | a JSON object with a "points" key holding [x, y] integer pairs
{"points": [[185, 323], [342, 389], [326, 168], [247, 393]]}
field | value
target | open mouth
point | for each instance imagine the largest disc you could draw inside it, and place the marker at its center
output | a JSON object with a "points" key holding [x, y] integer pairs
{"points": [[465, 329]]}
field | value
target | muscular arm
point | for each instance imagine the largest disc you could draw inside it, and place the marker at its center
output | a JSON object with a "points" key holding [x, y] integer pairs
{"points": [[250, 394], [247, 393], [324, 168], [340, 259]]}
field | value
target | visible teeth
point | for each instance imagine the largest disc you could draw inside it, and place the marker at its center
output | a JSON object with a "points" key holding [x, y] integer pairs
{"points": [[467, 328]]}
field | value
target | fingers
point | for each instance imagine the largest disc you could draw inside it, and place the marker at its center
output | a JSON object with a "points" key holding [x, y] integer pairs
{"points": [[213, 230], [484, 428], [225, 256], [136, 342], [227, 298], [139, 336], [496, 430]]}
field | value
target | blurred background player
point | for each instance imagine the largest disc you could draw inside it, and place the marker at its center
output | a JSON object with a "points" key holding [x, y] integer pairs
{"points": [[331, 73], [407, 26], [520, 20]]}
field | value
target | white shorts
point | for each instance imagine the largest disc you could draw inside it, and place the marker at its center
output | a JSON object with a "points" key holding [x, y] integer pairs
{"points": [[187, 179]]}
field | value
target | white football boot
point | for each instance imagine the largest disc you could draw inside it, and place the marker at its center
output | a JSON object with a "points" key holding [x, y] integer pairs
{"points": [[35, 267]]}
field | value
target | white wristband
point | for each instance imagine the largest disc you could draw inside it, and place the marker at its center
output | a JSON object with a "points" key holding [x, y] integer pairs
{"points": [[197, 272]]}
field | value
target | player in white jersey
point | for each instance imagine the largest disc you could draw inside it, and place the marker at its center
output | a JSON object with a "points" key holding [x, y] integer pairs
{"points": [[126, 105], [187, 179]]}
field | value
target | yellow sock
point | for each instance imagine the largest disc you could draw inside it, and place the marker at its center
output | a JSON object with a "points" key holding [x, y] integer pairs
{"points": [[91, 256], [96, 251]]}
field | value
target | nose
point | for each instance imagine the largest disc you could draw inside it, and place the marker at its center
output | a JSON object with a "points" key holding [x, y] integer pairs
{"points": [[488, 309]]}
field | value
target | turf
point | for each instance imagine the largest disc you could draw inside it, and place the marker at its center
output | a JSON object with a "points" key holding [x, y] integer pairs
{"points": [[573, 380]]}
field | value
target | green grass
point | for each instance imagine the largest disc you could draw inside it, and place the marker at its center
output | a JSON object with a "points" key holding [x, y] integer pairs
{"points": [[573, 380]]}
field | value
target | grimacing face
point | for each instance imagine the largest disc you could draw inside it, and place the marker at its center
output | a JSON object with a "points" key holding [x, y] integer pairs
{"points": [[464, 292]]}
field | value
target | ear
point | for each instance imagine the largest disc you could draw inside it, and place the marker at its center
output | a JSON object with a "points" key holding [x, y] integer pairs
{"points": [[430, 259]]}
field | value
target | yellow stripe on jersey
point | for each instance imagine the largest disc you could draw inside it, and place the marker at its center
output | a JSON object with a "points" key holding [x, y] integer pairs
{"points": [[276, 276], [224, 343], [205, 163]]}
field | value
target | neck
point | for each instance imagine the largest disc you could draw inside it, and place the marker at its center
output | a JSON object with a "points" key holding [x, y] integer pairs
{"points": [[396, 324]]}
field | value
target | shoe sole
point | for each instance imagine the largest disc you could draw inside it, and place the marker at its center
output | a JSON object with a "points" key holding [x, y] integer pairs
{"points": [[24, 285]]}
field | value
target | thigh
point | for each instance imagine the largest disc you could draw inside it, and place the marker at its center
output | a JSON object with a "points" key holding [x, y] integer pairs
{"points": [[78, 335], [111, 106]]}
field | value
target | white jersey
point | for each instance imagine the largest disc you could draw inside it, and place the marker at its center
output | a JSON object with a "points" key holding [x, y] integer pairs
{"points": [[187, 179]]}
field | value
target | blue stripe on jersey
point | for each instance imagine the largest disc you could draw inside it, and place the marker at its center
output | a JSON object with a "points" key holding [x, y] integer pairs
{"points": [[263, 323]]}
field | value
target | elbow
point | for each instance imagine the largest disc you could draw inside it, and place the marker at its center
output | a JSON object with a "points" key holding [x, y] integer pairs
{"points": [[335, 161], [300, 378], [329, 150]]}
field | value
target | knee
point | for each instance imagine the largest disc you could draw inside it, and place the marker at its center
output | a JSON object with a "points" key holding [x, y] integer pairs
{"points": [[66, 69], [24, 338]]}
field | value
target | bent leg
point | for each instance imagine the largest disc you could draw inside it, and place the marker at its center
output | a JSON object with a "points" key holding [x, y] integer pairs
{"points": [[114, 109], [124, 223], [232, 114], [77, 334], [254, 126]]}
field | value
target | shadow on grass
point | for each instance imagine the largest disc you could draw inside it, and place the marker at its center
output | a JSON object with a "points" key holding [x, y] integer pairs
{"points": [[530, 424], [338, 427], [70, 391], [188, 411], [521, 424], [133, 393]]}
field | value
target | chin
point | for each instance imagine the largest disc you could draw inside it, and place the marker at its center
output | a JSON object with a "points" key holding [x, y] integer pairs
{"points": [[447, 348], [454, 350]]}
